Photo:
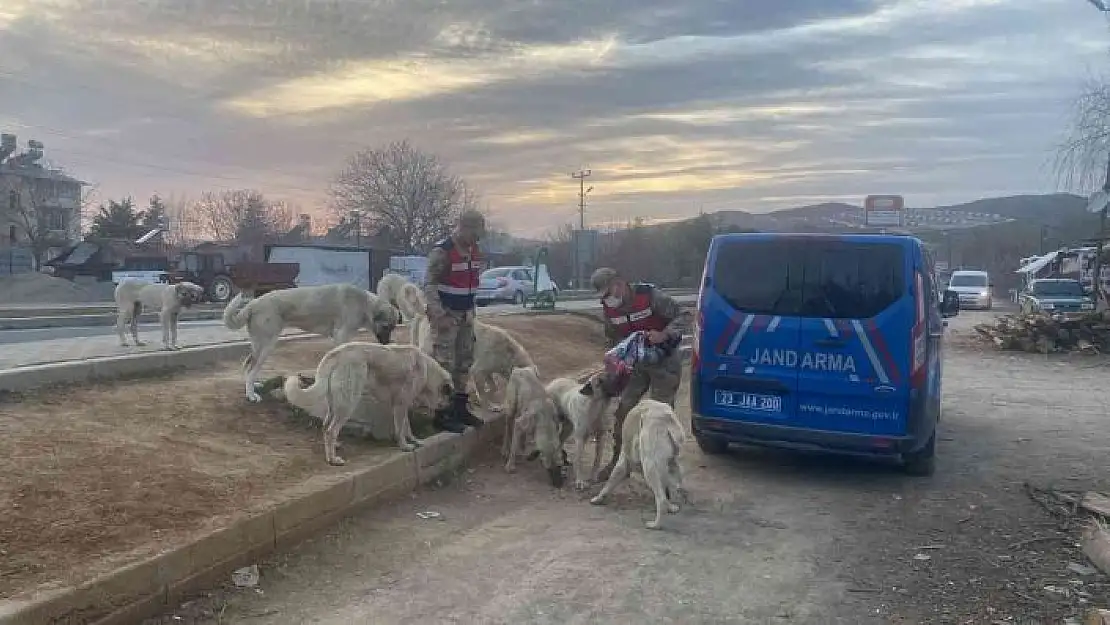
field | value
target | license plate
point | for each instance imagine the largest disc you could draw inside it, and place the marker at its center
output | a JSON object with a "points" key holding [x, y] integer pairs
{"points": [[749, 401]]}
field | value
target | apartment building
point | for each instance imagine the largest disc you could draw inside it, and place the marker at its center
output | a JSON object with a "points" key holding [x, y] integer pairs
{"points": [[40, 208]]}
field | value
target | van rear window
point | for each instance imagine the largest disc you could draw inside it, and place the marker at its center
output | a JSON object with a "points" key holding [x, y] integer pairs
{"points": [[810, 278]]}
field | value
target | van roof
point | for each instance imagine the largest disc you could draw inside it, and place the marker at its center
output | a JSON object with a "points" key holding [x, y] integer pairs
{"points": [[850, 238], [969, 272]]}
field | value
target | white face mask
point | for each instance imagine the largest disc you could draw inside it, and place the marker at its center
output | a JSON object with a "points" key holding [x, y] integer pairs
{"points": [[612, 301]]}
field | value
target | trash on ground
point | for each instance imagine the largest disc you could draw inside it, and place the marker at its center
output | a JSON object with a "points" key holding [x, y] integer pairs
{"points": [[246, 577]]}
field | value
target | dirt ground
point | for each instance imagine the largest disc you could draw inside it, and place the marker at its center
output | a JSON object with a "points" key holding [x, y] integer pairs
{"points": [[768, 536], [95, 476]]}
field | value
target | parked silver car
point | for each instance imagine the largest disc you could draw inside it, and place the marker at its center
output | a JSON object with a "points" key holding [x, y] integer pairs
{"points": [[505, 284]]}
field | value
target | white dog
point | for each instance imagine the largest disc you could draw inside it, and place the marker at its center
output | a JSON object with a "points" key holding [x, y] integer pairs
{"points": [[496, 353], [652, 440], [335, 310], [583, 406], [399, 376], [531, 415], [134, 295], [404, 295]]}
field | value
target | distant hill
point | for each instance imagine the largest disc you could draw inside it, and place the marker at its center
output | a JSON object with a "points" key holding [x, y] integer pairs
{"points": [[1050, 210]]}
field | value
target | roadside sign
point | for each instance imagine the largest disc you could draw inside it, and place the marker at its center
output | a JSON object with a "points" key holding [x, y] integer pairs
{"points": [[883, 210]]}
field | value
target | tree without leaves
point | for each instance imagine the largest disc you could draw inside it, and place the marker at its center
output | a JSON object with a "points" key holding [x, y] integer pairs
{"points": [[244, 215], [1081, 161], [400, 190], [24, 204]]}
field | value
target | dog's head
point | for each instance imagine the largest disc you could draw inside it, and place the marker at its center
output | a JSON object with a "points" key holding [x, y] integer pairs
{"points": [[601, 386], [188, 293], [385, 319], [549, 442], [439, 391]]}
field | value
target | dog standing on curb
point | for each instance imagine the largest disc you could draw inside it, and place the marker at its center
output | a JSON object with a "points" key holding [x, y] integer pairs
{"points": [[584, 406], [530, 415], [652, 440], [133, 295], [399, 376], [335, 310]]}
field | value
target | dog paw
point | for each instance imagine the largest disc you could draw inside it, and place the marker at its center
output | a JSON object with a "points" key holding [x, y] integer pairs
{"points": [[408, 447], [598, 500], [254, 398], [672, 508], [510, 467], [653, 525], [337, 462]]}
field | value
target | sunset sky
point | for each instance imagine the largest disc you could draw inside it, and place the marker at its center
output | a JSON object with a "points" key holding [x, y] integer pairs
{"points": [[674, 106]]}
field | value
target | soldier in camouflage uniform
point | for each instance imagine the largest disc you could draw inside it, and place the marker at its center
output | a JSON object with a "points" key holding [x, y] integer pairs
{"points": [[628, 308], [454, 265]]}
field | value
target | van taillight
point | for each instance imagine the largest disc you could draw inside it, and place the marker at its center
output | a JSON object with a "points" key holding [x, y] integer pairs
{"points": [[917, 337]]}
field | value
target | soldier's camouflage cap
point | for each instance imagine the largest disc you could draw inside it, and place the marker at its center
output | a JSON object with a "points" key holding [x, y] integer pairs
{"points": [[472, 221], [602, 277]]}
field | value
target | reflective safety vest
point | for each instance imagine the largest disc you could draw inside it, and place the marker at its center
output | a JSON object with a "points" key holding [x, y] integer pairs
{"points": [[636, 315], [457, 290]]}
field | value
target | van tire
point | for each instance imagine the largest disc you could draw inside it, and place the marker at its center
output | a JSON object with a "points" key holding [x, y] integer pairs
{"points": [[923, 462], [711, 446]]}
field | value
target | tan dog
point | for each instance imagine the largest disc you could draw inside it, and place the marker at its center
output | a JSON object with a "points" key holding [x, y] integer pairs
{"points": [[404, 295], [335, 310], [652, 440], [530, 415], [134, 295], [496, 354], [399, 376], [584, 407]]}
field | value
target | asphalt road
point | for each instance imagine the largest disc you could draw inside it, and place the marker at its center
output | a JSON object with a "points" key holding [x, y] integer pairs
{"points": [[10, 337]]}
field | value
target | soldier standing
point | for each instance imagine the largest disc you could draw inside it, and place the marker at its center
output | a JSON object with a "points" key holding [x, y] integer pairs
{"points": [[629, 308], [454, 265]]}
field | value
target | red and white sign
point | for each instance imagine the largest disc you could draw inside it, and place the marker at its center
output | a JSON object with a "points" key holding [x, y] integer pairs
{"points": [[884, 210]]}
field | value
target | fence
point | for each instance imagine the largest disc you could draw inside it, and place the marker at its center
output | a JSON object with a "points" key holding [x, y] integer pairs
{"points": [[15, 259]]}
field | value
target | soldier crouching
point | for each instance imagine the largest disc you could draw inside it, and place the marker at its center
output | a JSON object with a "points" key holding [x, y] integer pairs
{"points": [[628, 308]]}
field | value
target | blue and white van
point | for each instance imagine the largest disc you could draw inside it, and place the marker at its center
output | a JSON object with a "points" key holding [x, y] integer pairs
{"points": [[820, 342]]}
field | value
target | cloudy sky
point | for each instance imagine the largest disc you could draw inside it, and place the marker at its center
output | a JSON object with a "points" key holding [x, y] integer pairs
{"points": [[674, 106]]}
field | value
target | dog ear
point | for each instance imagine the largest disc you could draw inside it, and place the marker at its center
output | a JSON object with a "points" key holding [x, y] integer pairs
{"points": [[447, 389], [587, 389]]}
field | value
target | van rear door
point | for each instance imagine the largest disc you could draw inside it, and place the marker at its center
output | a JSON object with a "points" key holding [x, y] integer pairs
{"points": [[746, 370], [855, 335]]}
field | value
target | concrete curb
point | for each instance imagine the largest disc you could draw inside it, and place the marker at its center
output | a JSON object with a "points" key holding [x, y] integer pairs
{"points": [[21, 379], [99, 320], [147, 588]]}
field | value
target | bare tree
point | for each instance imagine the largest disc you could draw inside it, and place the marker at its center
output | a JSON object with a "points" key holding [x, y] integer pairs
{"points": [[243, 215], [403, 191], [1081, 161], [184, 222], [27, 212]]}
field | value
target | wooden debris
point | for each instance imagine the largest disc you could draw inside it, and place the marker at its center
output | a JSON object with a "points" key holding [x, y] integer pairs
{"points": [[1096, 546], [1097, 503], [1041, 333]]}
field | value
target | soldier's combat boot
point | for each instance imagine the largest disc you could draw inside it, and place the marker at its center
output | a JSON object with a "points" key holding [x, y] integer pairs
{"points": [[463, 414], [445, 420]]}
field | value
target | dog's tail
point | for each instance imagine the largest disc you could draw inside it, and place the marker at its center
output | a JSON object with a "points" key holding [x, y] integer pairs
{"points": [[341, 377], [238, 312]]}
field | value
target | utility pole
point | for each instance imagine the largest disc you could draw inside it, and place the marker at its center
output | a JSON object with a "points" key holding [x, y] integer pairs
{"points": [[579, 265]]}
